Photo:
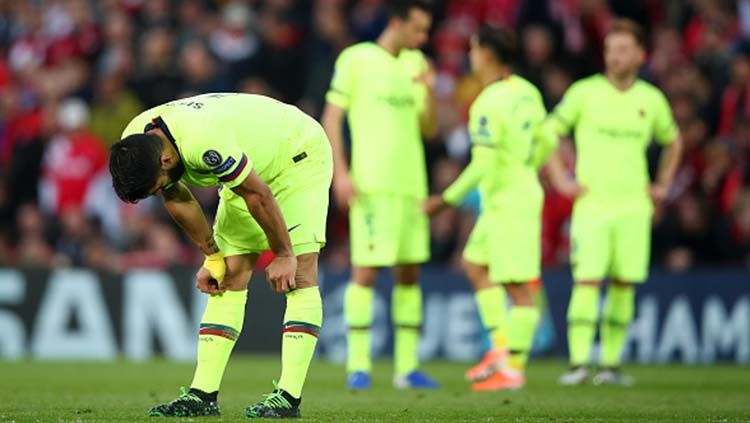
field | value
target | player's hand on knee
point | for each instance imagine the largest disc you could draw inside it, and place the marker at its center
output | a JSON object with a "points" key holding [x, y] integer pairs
{"points": [[209, 277], [281, 273], [206, 283]]}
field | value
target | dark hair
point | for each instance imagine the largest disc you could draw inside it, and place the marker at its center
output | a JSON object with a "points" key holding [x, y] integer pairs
{"points": [[501, 41], [135, 165], [628, 26], [400, 8]]}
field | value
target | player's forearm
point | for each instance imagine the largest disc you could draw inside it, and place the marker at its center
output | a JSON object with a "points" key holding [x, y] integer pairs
{"points": [[333, 120], [428, 118], [187, 212], [557, 173], [669, 162], [265, 210], [547, 143], [468, 180]]}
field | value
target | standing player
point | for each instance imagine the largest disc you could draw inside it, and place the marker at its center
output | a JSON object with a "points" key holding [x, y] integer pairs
{"points": [[274, 166], [615, 116], [509, 144], [385, 89]]}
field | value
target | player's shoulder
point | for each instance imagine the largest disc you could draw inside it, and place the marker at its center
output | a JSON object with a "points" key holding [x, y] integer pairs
{"points": [[138, 123], [489, 94], [410, 55], [591, 83], [648, 89], [525, 86], [359, 51], [508, 88]]}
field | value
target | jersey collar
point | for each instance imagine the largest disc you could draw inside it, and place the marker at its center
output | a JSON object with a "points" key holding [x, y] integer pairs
{"points": [[158, 122]]}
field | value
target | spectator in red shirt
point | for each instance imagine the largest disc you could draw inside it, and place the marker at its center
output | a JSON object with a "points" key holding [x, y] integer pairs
{"points": [[73, 159]]}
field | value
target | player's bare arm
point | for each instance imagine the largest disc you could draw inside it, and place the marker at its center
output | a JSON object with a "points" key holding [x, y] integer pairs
{"points": [[428, 123], [466, 181], [560, 179], [265, 210], [343, 187], [670, 160], [185, 210]]}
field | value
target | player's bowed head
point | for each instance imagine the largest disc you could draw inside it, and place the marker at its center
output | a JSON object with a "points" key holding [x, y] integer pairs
{"points": [[142, 165]]}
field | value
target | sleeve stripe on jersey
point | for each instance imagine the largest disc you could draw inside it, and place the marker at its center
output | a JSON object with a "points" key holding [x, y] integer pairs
{"points": [[229, 177]]}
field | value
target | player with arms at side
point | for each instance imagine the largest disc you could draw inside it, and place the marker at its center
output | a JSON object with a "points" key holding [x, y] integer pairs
{"points": [[614, 117], [510, 143], [274, 166], [385, 90]]}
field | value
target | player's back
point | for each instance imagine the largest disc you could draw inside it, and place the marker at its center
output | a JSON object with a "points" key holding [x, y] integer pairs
{"points": [[514, 109], [266, 130]]}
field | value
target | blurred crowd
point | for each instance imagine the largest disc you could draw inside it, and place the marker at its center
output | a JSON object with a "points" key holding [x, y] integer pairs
{"points": [[73, 73]]}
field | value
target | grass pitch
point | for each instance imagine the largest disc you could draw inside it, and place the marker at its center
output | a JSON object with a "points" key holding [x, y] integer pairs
{"points": [[108, 392]]}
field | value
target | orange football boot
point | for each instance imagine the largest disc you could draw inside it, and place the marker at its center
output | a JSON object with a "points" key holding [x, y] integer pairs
{"points": [[492, 361], [501, 380]]}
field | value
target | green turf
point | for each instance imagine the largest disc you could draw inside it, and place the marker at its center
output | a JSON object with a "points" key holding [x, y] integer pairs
{"points": [[91, 392]]}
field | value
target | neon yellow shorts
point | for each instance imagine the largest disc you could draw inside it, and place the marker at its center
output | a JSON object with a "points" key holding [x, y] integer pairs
{"points": [[302, 193], [388, 229], [508, 242], [610, 243]]}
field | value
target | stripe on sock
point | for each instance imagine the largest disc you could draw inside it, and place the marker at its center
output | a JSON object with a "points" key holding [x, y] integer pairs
{"points": [[359, 328], [581, 322], [408, 327], [616, 323], [302, 327], [218, 330]]}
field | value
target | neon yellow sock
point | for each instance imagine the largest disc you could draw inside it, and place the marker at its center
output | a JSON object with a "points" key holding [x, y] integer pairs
{"points": [[491, 306], [522, 323], [220, 326], [618, 312], [302, 322], [406, 312], [582, 313], [358, 305]]}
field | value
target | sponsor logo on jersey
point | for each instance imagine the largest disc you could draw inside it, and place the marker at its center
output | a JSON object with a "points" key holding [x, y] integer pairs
{"points": [[228, 163]]}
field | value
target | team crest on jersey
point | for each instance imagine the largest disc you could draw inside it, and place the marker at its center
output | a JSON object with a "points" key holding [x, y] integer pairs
{"points": [[641, 112], [212, 158], [483, 130]]}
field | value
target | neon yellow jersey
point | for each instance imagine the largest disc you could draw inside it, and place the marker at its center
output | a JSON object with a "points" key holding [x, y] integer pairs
{"points": [[221, 137], [506, 129], [383, 104], [613, 129]]}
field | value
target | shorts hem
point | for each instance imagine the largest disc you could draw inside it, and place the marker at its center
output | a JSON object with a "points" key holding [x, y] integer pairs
{"points": [[473, 260], [578, 279], [307, 248], [298, 250], [514, 281], [385, 263]]}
